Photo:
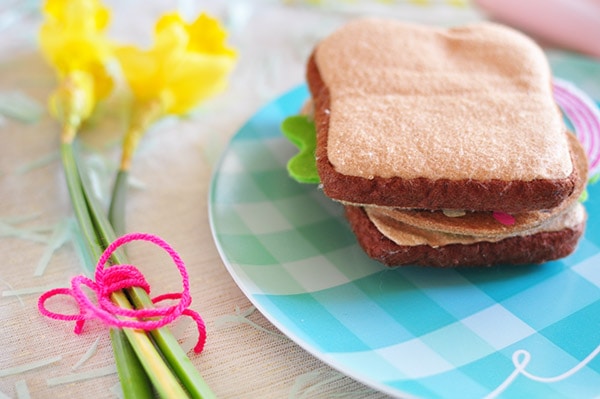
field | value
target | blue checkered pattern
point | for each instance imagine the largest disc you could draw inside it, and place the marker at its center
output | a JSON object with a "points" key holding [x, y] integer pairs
{"points": [[410, 331]]}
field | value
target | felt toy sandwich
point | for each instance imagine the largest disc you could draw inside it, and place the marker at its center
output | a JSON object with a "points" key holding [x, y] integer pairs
{"points": [[445, 145]]}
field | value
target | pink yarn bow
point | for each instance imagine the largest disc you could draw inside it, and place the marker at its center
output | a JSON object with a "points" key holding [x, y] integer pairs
{"points": [[108, 280]]}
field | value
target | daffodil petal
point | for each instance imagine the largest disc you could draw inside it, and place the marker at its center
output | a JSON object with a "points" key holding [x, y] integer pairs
{"points": [[80, 15], [71, 52], [207, 36], [141, 70], [103, 81], [187, 64], [201, 77], [170, 35], [167, 21], [72, 41]]}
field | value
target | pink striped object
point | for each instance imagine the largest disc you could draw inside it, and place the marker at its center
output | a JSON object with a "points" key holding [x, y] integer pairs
{"points": [[584, 115]]}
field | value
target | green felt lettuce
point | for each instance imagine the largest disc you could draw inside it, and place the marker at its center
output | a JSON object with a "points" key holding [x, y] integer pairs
{"points": [[592, 180], [300, 130]]}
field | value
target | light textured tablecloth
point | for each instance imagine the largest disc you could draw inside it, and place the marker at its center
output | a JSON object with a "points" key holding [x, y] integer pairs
{"points": [[245, 355]]}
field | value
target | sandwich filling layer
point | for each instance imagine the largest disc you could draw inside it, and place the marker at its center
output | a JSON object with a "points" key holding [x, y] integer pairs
{"points": [[404, 234]]}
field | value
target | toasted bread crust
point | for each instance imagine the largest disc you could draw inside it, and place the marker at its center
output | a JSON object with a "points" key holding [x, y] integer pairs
{"points": [[423, 193], [530, 249]]}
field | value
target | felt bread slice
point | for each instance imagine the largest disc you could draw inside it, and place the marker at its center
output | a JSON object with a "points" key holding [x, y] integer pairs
{"points": [[422, 117], [394, 243]]}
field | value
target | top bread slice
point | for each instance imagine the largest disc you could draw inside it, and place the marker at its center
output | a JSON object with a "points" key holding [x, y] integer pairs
{"points": [[431, 118]]}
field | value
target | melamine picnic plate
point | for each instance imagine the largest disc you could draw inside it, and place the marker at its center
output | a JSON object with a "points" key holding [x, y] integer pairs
{"points": [[527, 331]]}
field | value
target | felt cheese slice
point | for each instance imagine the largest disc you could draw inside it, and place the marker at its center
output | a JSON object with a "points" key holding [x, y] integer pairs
{"points": [[395, 243], [411, 235]]}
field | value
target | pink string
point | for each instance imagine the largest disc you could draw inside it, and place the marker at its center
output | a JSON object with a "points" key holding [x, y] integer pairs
{"points": [[585, 117], [108, 280]]}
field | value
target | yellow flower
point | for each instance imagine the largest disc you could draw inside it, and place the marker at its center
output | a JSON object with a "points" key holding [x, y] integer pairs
{"points": [[73, 42], [187, 64], [72, 102]]}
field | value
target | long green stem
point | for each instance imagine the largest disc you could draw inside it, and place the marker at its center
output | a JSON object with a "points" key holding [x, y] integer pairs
{"points": [[167, 343], [78, 202], [134, 381], [163, 380], [157, 371], [116, 212]]}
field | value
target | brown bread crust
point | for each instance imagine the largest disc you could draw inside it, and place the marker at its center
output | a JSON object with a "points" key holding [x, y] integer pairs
{"points": [[421, 193], [532, 249]]}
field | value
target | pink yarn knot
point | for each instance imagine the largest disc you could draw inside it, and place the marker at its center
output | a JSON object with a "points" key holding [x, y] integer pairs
{"points": [[108, 280]]}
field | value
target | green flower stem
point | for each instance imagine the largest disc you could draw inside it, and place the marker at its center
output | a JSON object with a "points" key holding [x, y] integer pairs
{"points": [[152, 362], [179, 362], [79, 202], [134, 382], [176, 357], [165, 383], [143, 116], [116, 212]]}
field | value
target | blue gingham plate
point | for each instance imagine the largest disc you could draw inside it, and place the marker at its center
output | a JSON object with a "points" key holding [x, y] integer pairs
{"points": [[528, 331]]}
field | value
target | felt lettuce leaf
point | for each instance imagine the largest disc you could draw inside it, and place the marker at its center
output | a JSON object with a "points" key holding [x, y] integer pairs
{"points": [[300, 130], [592, 180]]}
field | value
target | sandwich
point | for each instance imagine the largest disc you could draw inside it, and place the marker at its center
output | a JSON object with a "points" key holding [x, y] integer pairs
{"points": [[445, 145]]}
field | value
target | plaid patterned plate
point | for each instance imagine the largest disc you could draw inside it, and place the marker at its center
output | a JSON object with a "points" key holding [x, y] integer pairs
{"points": [[529, 331]]}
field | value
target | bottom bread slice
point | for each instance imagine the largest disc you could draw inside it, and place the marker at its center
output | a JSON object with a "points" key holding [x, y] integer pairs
{"points": [[538, 247]]}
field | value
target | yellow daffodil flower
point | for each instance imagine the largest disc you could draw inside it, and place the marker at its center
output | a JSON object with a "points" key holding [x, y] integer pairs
{"points": [[72, 41], [188, 63]]}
